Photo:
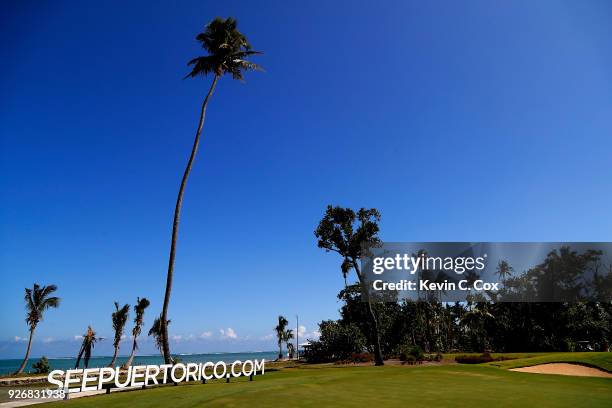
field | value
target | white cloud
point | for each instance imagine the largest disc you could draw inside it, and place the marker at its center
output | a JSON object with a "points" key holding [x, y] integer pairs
{"points": [[301, 330], [123, 337], [268, 337], [190, 337], [206, 335], [228, 333], [47, 340], [177, 337], [78, 337], [17, 338]]}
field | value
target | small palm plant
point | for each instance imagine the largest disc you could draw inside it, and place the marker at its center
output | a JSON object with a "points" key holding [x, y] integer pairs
{"points": [[120, 317], [139, 309], [89, 340], [156, 332], [38, 300], [281, 334], [228, 50]]}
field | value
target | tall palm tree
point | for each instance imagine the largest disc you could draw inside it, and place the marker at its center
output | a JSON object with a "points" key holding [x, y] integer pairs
{"points": [[157, 334], [139, 309], [228, 50], [120, 317], [287, 337], [280, 334], [89, 340], [37, 302]]}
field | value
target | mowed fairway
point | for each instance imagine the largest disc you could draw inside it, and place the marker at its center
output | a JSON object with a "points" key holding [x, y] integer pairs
{"points": [[368, 386]]}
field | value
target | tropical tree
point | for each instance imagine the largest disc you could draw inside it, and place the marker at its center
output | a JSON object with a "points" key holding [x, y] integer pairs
{"points": [[120, 317], [288, 336], [89, 340], [37, 300], [139, 309], [228, 50], [344, 231], [157, 334], [504, 270], [281, 333]]}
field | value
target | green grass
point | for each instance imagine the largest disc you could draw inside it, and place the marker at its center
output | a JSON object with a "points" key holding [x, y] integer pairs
{"points": [[369, 386], [598, 360]]}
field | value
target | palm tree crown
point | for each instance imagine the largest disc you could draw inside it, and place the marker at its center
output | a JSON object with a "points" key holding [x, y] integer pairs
{"points": [[228, 50], [139, 309], [120, 317], [37, 301]]}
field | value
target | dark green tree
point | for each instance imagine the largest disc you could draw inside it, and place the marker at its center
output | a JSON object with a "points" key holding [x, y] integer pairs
{"points": [[344, 231]]}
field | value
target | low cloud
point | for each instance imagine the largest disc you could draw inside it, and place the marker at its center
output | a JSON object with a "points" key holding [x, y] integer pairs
{"points": [[48, 340], [228, 333], [18, 339], [206, 335]]}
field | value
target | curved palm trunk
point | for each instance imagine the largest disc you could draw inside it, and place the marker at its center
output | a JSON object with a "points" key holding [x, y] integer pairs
{"points": [[175, 225], [80, 356], [132, 354], [112, 363], [27, 355], [378, 357]]}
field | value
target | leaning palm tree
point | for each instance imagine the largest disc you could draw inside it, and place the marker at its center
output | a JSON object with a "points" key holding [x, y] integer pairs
{"points": [[280, 334], [37, 302], [120, 317], [157, 334], [139, 309], [89, 340], [228, 50]]}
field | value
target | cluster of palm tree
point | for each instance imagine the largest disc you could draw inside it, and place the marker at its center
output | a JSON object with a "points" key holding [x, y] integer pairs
{"points": [[284, 335], [119, 318]]}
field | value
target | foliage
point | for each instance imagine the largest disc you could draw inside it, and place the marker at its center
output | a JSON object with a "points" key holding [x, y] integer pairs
{"points": [[42, 366], [38, 301], [410, 352], [346, 232], [228, 50], [337, 342], [119, 318]]}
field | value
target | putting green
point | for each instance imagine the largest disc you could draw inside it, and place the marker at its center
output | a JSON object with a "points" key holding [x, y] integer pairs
{"points": [[436, 386]]}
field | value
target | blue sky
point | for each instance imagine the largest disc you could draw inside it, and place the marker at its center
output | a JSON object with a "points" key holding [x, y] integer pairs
{"points": [[459, 121]]}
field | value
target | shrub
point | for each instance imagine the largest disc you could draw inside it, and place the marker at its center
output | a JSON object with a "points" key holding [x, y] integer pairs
{"points": [[361, 357], [409, 352], [474, 359], [338, 342], [42, 366]]}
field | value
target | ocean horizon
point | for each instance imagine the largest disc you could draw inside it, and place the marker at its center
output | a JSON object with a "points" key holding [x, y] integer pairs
{"points": [[10, 365]]}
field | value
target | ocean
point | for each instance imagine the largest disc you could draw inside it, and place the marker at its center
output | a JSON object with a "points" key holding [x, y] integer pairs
{"points": [[11, 365]]}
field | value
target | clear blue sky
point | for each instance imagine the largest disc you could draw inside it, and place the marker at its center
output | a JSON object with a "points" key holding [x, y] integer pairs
{"points": [[471, 121]]}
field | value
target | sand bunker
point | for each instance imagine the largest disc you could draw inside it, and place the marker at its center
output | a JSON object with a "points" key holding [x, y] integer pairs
{"points": [[564, 369]]}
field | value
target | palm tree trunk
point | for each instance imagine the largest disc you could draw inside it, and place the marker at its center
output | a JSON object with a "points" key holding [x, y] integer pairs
{"points": [[112, 363], [131, 358], [378, 357], [27, 355], [175, 225], [80, 355]]}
